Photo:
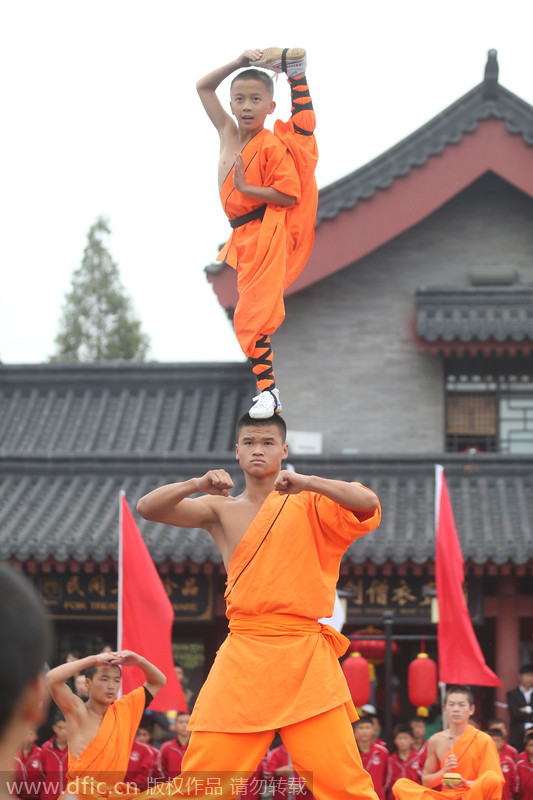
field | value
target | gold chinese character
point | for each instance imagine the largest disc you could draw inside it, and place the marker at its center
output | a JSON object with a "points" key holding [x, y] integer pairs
{"points": [[50, 589], [169, 584], [73, 586], [426, 598], [377, 592], [97, 585], [190, 587], [402, 594], [356, 588]]}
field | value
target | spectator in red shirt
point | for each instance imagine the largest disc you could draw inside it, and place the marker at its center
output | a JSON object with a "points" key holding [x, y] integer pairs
{"points": [[403, 763], [29, 768], [420, 743], [525, 772], [508, 750], [282, 776], [172, 752], [142, 768], [55, 760], [508, 764], [374, 756]]}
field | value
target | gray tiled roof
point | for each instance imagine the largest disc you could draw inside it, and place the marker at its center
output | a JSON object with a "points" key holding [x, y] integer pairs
{"points": [[487, 100], [67, 508], [498, 313], [83, 409]]}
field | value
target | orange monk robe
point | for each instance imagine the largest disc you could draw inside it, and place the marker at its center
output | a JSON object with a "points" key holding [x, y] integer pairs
{"points": [[270, 253], [101, 768], [478, 761], [279, 665]]}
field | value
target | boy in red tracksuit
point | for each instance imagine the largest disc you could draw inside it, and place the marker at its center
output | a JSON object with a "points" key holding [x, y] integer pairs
{"points": [[54, 757], [374, 756], [403, 763], [172, 752], [420, 743], [510, 772], [282, 776], [525, 772], [507, 749], [29, 768]]}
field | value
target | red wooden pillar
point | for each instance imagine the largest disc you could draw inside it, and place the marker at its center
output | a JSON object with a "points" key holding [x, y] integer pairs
{"points": [[507, 629]]}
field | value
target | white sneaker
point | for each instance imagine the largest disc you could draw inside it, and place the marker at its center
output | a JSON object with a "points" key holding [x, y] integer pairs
{"points": [[266, 405], [295, 60]]}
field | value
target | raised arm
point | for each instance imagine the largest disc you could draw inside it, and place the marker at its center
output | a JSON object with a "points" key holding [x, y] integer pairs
{"points": [[155, 679], [353, 496], [62, 695], [207, 86], [172, 504]]}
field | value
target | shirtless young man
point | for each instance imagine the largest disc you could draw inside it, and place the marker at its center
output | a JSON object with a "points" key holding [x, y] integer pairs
{"points": [[102, 729], [460, 749], [282, 540]]}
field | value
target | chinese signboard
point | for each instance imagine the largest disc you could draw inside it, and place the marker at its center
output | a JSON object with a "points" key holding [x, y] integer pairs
{"points": [[92, 596], [408, 598]]}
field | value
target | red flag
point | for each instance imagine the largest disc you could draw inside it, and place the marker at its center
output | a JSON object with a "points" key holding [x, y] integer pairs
{"points": [[460, 658], [145, 615]]}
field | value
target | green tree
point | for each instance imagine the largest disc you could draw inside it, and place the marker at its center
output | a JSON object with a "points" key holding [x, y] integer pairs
{"points": [[98, 322]]}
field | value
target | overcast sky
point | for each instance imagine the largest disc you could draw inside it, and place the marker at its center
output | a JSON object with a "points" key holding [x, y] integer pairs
{"points": [[101, 116]]}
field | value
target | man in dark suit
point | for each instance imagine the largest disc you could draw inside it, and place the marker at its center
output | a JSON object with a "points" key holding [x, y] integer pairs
{"points": [[520, 703]]}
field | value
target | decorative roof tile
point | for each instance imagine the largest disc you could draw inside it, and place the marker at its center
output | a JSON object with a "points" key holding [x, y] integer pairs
{"points": [[487, 100]]}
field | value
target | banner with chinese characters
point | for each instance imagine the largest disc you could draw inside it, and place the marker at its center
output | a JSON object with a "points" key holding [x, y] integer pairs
{"points": [[92, 596], [409, 598]]}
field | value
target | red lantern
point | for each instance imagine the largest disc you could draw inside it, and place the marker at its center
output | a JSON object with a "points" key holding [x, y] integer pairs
{"points": [[371, 649], [422, 681], [357, 673]]}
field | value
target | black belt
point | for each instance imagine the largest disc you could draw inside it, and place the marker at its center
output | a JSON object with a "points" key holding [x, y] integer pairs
{"points": [[257, 213]]}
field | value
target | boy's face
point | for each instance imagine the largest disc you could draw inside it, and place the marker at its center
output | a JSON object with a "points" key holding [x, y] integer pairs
{"points": [[260, 449], [529, 749], [60, 732], [104, 685], [143, 735], [182, 720], [364, 732], [403, 742], [458, 708], [251, 102], [419, 728], [499, 742]]}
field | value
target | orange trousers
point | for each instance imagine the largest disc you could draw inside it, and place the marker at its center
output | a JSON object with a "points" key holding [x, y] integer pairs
{"points": [[322, 749]]}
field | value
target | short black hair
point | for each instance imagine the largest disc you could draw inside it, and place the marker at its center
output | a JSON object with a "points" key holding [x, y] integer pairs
{"points": [[90, 672], [26, 639], [495, 732], [255, 75], [402, 727], [58, 717], [458, 689], [276, 420], [525, 668], [418, 718], [366, 718]]}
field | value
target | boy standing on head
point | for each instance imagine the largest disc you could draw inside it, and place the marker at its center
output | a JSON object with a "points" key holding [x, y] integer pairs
{"points": [[461, 759], [101, 731], [268, 191], [282, 540]]}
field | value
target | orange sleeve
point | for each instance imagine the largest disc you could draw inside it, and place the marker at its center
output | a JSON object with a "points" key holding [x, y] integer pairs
{"points": [[278, 170], [340, 525]]}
